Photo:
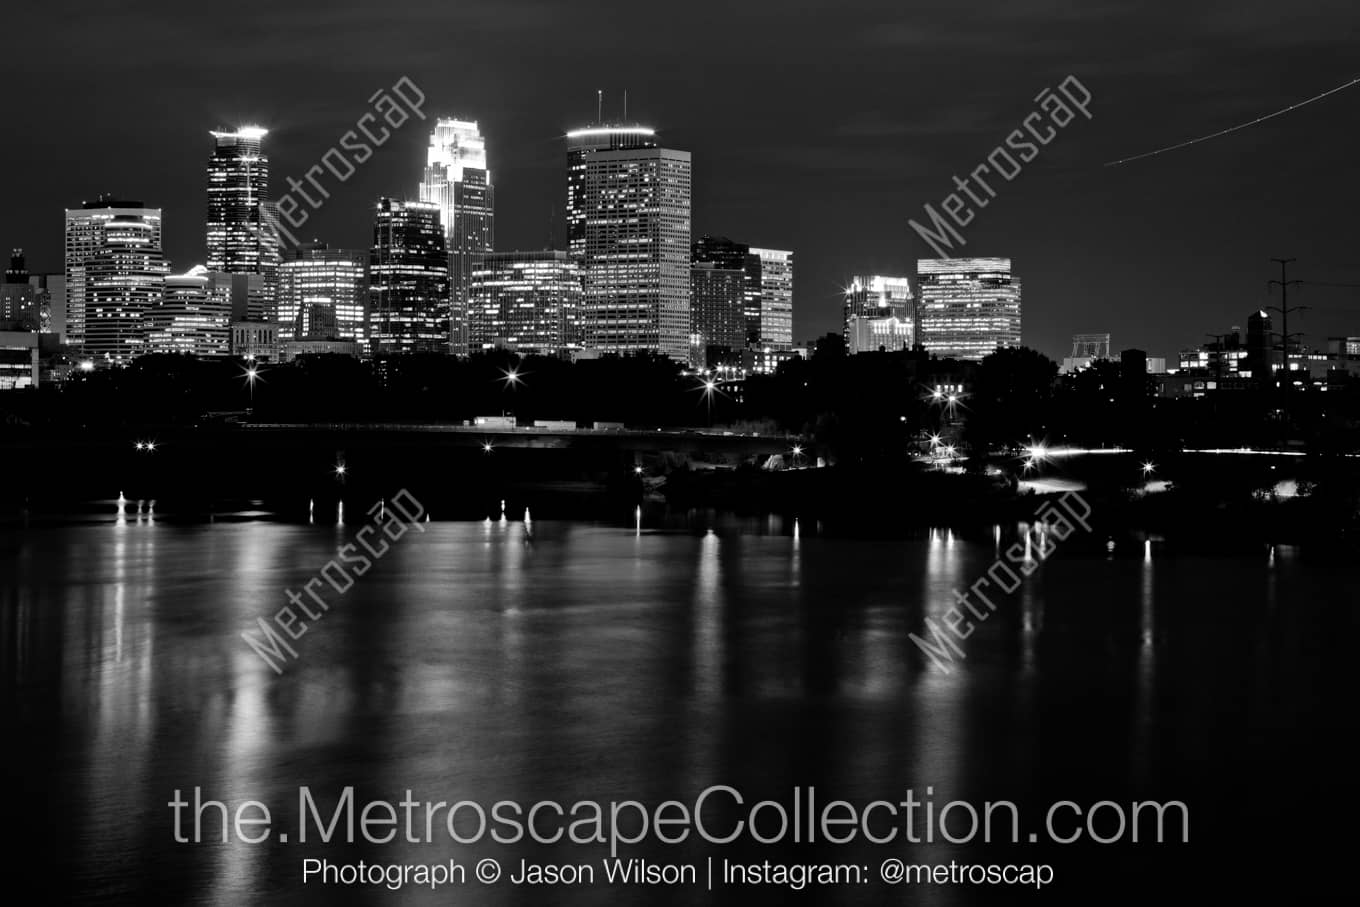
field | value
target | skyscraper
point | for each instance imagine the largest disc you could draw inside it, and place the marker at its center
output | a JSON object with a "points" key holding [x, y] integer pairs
{"points": [[124, 279], [628, 219], [191, 317], [529, 302], [408, 280], [315, 277], [773, 325], [724, 285], [878, 313], [457, 179], [581, 143], [238, 183], [108, 225], [969, 306]]}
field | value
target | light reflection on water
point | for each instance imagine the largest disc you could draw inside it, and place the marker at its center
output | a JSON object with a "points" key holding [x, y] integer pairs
{"points": [[574, 661]]}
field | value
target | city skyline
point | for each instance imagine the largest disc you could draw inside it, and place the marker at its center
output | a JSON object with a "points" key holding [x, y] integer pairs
{"points": [[841, 193]]}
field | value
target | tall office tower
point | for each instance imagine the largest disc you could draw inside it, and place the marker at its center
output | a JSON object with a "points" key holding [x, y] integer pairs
{"points": [[191, 317], [722, 292], [969, 306], [124, 280], [88, 235], [408, 310], [18, 296], [529, 302], [238, 183], [581, 143], [457, 180], [319, 287], [878, 312], [773, 322], [631, 202]]}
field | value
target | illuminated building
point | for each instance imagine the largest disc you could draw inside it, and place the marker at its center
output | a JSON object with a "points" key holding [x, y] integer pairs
{"points": [[1343, 347], [723, 288], [18, 296], [769, 323], [18, 360], [408, 310], [85, 237], [257, 341], [581, 143], [968, 306], [529, 302], [192, 316], [323, 290], [238, 185], [628, 218], [868, 334], [457, 179], [115, 272], [878, 312], [1087, 349]]}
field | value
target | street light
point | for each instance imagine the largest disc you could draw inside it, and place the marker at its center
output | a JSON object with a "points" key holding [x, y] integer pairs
{"points": [[708, 387], [1149, 468], [250, 376]]}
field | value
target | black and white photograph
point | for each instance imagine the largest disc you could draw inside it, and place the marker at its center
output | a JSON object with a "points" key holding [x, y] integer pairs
{"points": [[518, 452]]}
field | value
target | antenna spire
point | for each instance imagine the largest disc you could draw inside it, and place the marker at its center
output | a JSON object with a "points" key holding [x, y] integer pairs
{"points": [[599, 105]]}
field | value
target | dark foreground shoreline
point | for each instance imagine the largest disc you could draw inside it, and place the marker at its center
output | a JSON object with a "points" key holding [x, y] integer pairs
{"points": [[1205, 501]]}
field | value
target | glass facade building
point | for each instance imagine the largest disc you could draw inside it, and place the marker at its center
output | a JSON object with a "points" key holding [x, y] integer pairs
{"points": [[192, 316], [458, 181], [724, 288], [323, 292], [85, 237], [770, 321], [408, 280], [877, 298], [238, 183], [115, 272], [629, 217], [969, 306], [529, 302]]}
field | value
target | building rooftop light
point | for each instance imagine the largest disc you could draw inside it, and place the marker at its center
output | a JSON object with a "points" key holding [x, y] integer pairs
{"points": [[611, 130]]}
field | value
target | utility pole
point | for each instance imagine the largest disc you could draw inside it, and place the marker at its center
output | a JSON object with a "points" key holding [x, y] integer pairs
{"points": [[1284, 309]]}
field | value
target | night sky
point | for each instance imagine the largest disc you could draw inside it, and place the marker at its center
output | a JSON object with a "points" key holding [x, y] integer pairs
{"points": [[817, 127]]}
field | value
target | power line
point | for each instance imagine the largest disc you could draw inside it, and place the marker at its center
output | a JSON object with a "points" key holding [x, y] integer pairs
{"points": [[1222, 132]]}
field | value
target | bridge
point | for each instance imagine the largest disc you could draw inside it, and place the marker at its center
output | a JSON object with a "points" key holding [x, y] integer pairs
{"points": [[712, 440]]}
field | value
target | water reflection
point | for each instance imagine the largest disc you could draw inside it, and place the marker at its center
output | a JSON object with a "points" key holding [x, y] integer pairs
{"points": [[542, 659]]}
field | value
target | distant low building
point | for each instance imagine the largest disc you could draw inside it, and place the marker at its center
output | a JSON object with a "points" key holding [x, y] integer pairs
{"points": [[256, 340], [866, 334], [292, 349], [18, 360]]}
